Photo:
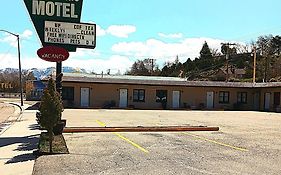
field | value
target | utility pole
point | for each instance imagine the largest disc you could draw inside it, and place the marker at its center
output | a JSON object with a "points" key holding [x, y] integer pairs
{"points": [[152, 65], [227, 58], [254, 66], [266, 67], [151, 60], [20, 77]]}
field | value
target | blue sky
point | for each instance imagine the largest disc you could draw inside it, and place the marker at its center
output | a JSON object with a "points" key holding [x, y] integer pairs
{"points": [[136, 29]]}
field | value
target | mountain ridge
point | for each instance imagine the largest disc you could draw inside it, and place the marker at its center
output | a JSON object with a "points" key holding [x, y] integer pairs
{"points": [[45, 72]]}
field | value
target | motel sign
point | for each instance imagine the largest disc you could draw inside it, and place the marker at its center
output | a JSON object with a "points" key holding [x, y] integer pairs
{"points": [[54, 10]]}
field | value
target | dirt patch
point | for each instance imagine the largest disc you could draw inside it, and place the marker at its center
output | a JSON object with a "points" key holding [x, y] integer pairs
{"points": [[59, 145], [6, 110]]}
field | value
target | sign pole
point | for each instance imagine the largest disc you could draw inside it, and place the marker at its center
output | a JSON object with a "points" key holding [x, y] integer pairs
{"points": [[58, 77]]}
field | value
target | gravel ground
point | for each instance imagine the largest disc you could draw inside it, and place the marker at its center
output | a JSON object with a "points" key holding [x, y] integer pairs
{"points": [[247, 143]]}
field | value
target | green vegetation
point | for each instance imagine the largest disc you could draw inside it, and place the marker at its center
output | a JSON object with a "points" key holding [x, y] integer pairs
{"points": [[58, 144], [212, 64], [50, 110]]}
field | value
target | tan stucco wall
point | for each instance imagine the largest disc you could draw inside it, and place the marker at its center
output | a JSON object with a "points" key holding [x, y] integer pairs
{"points": [[189, 96], [193, 96]]}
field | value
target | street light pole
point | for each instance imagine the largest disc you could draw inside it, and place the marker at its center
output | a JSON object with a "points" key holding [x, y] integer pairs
{"points": [[20, 77], [20, 74]]}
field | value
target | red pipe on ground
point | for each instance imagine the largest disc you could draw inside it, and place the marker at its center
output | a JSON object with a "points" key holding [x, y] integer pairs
{"points": [[139, 129]]}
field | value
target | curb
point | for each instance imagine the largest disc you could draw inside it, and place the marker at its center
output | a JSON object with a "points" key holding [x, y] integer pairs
{"points": [[17, 106]]}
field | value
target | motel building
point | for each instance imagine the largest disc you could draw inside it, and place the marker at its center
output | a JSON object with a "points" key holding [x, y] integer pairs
{"points": [[148, 92]]}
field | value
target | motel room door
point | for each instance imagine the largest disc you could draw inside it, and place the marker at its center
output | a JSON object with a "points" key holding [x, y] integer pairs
{"points": [[176, 99], [123, 101], [266, 101], [210, 100], [85, 97], [257, 101]]}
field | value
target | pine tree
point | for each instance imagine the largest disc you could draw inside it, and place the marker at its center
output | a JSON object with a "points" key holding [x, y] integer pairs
{"points": [[50, 110], [205, 52], [206, 59]]}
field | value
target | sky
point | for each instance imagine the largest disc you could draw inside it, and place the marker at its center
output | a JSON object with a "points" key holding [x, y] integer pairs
{"points": [[131, 30]]}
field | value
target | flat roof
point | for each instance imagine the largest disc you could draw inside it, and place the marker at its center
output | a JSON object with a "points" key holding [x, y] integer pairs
{"points": [[160, 81]]}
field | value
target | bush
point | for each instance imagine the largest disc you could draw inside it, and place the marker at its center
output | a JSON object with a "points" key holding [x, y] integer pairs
{"points": [[50, 110]]}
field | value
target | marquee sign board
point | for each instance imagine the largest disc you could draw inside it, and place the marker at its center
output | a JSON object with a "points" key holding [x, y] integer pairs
{"points": [[53, 10], [77, 34]]}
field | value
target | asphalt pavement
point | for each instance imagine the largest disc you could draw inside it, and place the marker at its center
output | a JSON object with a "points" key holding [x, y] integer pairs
{"points": [[247, 143]]}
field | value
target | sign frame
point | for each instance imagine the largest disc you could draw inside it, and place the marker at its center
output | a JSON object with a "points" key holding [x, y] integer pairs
{"points": [[74, 45]]}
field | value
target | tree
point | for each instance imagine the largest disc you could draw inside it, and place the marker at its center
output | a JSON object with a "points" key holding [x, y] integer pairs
{"points": [[276, 43], [143, 68], [172, 69], [206, 59], [50, 110], [215, 52], [225, 49], [205, 52], [149, 64], [270, 47], [188, 65]]}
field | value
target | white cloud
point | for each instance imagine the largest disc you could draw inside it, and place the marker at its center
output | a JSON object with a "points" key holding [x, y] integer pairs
{"points": [[26, 34], [171, 36], [82, 53], [11, 61], [162, 51], [100, 31], [8, 60], [121, 31], [115, 63], [12, 40]]}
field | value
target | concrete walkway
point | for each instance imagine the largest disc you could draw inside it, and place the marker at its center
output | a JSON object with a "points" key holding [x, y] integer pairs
{"points": [[17, 143]]}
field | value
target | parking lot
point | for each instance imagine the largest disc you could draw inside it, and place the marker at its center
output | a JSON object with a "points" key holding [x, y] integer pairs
{"points": [[247, 143]]}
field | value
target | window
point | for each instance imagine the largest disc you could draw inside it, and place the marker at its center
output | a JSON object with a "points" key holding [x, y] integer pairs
{"points": [[138, 95], [242, 97], [68, 93], [161, 96], [223, 97]]}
